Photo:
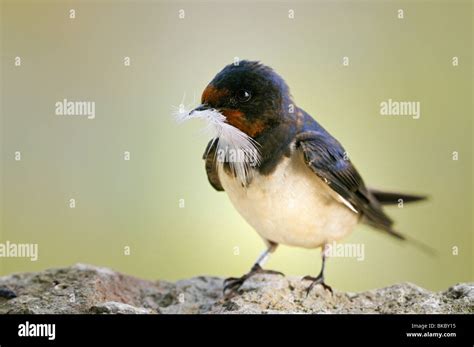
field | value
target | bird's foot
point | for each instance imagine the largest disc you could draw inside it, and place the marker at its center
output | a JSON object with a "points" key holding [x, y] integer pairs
{"points": [[232, 284], [316, 280]]}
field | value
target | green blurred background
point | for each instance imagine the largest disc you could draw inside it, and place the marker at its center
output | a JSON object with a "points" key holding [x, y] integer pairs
{"points": [[136, 203]]}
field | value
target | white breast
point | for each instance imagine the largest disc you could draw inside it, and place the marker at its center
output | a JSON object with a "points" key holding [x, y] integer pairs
{"points": [[292, 205]]}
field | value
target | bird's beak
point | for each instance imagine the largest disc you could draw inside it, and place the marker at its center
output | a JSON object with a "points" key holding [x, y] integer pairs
{"points": [[201, 107]]}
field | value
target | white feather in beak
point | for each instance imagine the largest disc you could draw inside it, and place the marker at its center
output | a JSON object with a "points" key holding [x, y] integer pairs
{"points": [[233, 145]]}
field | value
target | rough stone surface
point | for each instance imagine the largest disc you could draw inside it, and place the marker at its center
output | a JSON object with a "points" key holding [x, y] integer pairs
{"points": [[89, 289]]}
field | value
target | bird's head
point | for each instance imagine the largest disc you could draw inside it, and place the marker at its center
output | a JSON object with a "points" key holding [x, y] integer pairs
{"points": [[251, 96], [242, 102]]}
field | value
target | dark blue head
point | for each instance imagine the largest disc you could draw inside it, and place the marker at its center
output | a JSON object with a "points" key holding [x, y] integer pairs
{"points": [[250, 95]]}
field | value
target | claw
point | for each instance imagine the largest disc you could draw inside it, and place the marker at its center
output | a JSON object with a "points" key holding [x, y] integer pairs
{"points": [[233, 284], [316, 280], [230, 279]]}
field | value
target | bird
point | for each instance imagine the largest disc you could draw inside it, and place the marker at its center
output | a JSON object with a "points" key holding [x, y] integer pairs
{"points": [[288, 177]]}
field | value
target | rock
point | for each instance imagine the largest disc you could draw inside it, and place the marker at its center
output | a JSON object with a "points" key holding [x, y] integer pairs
{"points": [[112, 307], [89, 289]]}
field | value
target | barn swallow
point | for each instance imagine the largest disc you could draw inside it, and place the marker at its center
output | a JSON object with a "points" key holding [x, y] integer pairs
{"points": [[283, 172]]}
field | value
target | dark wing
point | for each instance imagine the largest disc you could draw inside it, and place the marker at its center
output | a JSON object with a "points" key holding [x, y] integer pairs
{"points": [[327, 159], [211, 169]]}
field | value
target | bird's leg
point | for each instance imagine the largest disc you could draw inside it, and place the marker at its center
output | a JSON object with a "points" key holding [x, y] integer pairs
{"points": [[320, 278], [232, 284]]}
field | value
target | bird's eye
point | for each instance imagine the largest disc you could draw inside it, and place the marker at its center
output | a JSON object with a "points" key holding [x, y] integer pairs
{"points": [[243, 95]]}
